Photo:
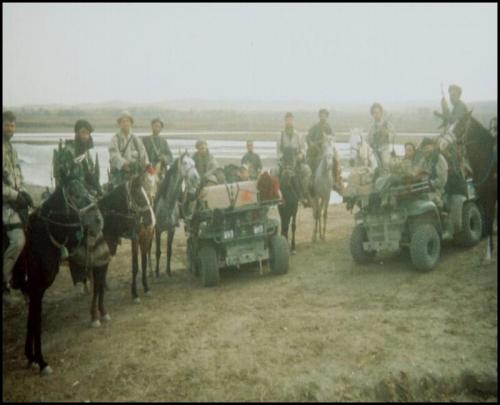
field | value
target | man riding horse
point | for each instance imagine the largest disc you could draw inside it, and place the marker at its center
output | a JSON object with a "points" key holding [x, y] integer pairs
{"points": [[291, 140], [15, 205], [127, 155]]}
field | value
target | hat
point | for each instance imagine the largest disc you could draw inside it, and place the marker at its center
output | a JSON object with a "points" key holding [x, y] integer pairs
{"points": [[289, 115], [200, 142], [376, 105], [323, 111], [125, 114], [83, 124], [157, 119], [8, 116], [426, 141], [455, 87]]}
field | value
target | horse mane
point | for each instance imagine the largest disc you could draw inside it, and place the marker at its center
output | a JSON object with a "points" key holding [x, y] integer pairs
{"points": [[480, 131], [171, 173], [268, 186]]}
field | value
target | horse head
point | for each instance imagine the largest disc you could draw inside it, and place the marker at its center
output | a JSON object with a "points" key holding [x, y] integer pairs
{"points": [[188, 173], [79, 205]]}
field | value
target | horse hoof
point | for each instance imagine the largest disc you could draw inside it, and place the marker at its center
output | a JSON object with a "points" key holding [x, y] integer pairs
{"points": [[47, 370], [148, 293], [137, 300], [95, 324], [32, 365], [106, 318]]}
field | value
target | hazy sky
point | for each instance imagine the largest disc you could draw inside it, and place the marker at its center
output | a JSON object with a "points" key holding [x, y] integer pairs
{"points": [[73, 53]]}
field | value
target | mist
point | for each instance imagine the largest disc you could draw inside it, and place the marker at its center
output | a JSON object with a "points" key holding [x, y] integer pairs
{"points": [[317, 53]]}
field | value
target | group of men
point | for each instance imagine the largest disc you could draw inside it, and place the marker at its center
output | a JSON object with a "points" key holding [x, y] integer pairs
{"points": [[130, 154]]}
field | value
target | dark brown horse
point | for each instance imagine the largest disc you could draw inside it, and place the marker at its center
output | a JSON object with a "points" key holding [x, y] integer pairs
{"points": [[291, 192], [479, 148], [181, 180], [62, 224]]}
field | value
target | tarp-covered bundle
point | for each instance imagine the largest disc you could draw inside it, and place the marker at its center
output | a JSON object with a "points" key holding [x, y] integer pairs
{"points": [[360, 181], [226, 195]]}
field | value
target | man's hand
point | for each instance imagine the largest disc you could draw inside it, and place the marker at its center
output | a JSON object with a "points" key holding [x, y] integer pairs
{"points": [[125, 166], [24, 200], [300, 156]]}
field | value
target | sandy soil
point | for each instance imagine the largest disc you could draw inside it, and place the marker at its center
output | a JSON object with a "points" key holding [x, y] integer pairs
{"points": [[329, 330]]}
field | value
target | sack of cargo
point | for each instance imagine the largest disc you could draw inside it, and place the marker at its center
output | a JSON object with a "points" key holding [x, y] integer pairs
{"points": [[360, 181], [224, 195]]}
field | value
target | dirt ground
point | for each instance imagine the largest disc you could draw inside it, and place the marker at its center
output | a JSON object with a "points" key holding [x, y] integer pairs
{"points": [[329, 330]]}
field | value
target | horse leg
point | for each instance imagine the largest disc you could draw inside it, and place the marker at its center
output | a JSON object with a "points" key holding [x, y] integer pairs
{"points": [[94, 316], [325, 216], [285, 221], [315, 217], [101, 276], [170, 240], [135, 268], [36, 307], [28, 346], [158, 252], [489, 212], [294, 226], [144, 264]]}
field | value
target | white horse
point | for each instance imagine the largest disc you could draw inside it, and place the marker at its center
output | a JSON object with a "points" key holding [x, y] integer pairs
{"points": [[360, 153], [322, 186]]}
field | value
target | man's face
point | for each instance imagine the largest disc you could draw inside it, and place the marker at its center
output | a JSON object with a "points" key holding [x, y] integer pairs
{"points": [[83, 135], [323, 117], [9, 127], [377, 114], [454, 96], [125, 125], [203, 149], [409, 151], [250, 147], [289, 122], [156, 127]]}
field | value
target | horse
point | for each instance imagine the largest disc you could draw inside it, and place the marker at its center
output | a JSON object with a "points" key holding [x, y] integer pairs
{"points": [[322, 186], [480, 149], [128, 213], [181, 172], [361, 154], [291, 192], [62, 224]]}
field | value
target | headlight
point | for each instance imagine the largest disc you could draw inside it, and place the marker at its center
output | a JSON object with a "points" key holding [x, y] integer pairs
{"points": [[228, 234], [258, 229]]}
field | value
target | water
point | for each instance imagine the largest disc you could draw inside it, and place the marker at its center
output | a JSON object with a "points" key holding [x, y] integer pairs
{"points": [[36, 159]]}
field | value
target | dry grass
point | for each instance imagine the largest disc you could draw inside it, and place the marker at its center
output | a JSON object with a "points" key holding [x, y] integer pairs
{"points": [[328, 330]]}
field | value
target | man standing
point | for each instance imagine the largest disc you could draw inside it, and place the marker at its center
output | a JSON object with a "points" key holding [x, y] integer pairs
{"points": [[205, 162], [291, 140], [157, 148], [14, 206], [379, 135], [316, 138], [127, 154], [253, 161], [459, 107]]}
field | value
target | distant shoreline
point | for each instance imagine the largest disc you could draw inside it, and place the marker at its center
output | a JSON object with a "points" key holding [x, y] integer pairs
{"points": [[402, 137]]}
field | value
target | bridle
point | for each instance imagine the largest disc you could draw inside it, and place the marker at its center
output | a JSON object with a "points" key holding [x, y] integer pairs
{"points": [[69, 205]]}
